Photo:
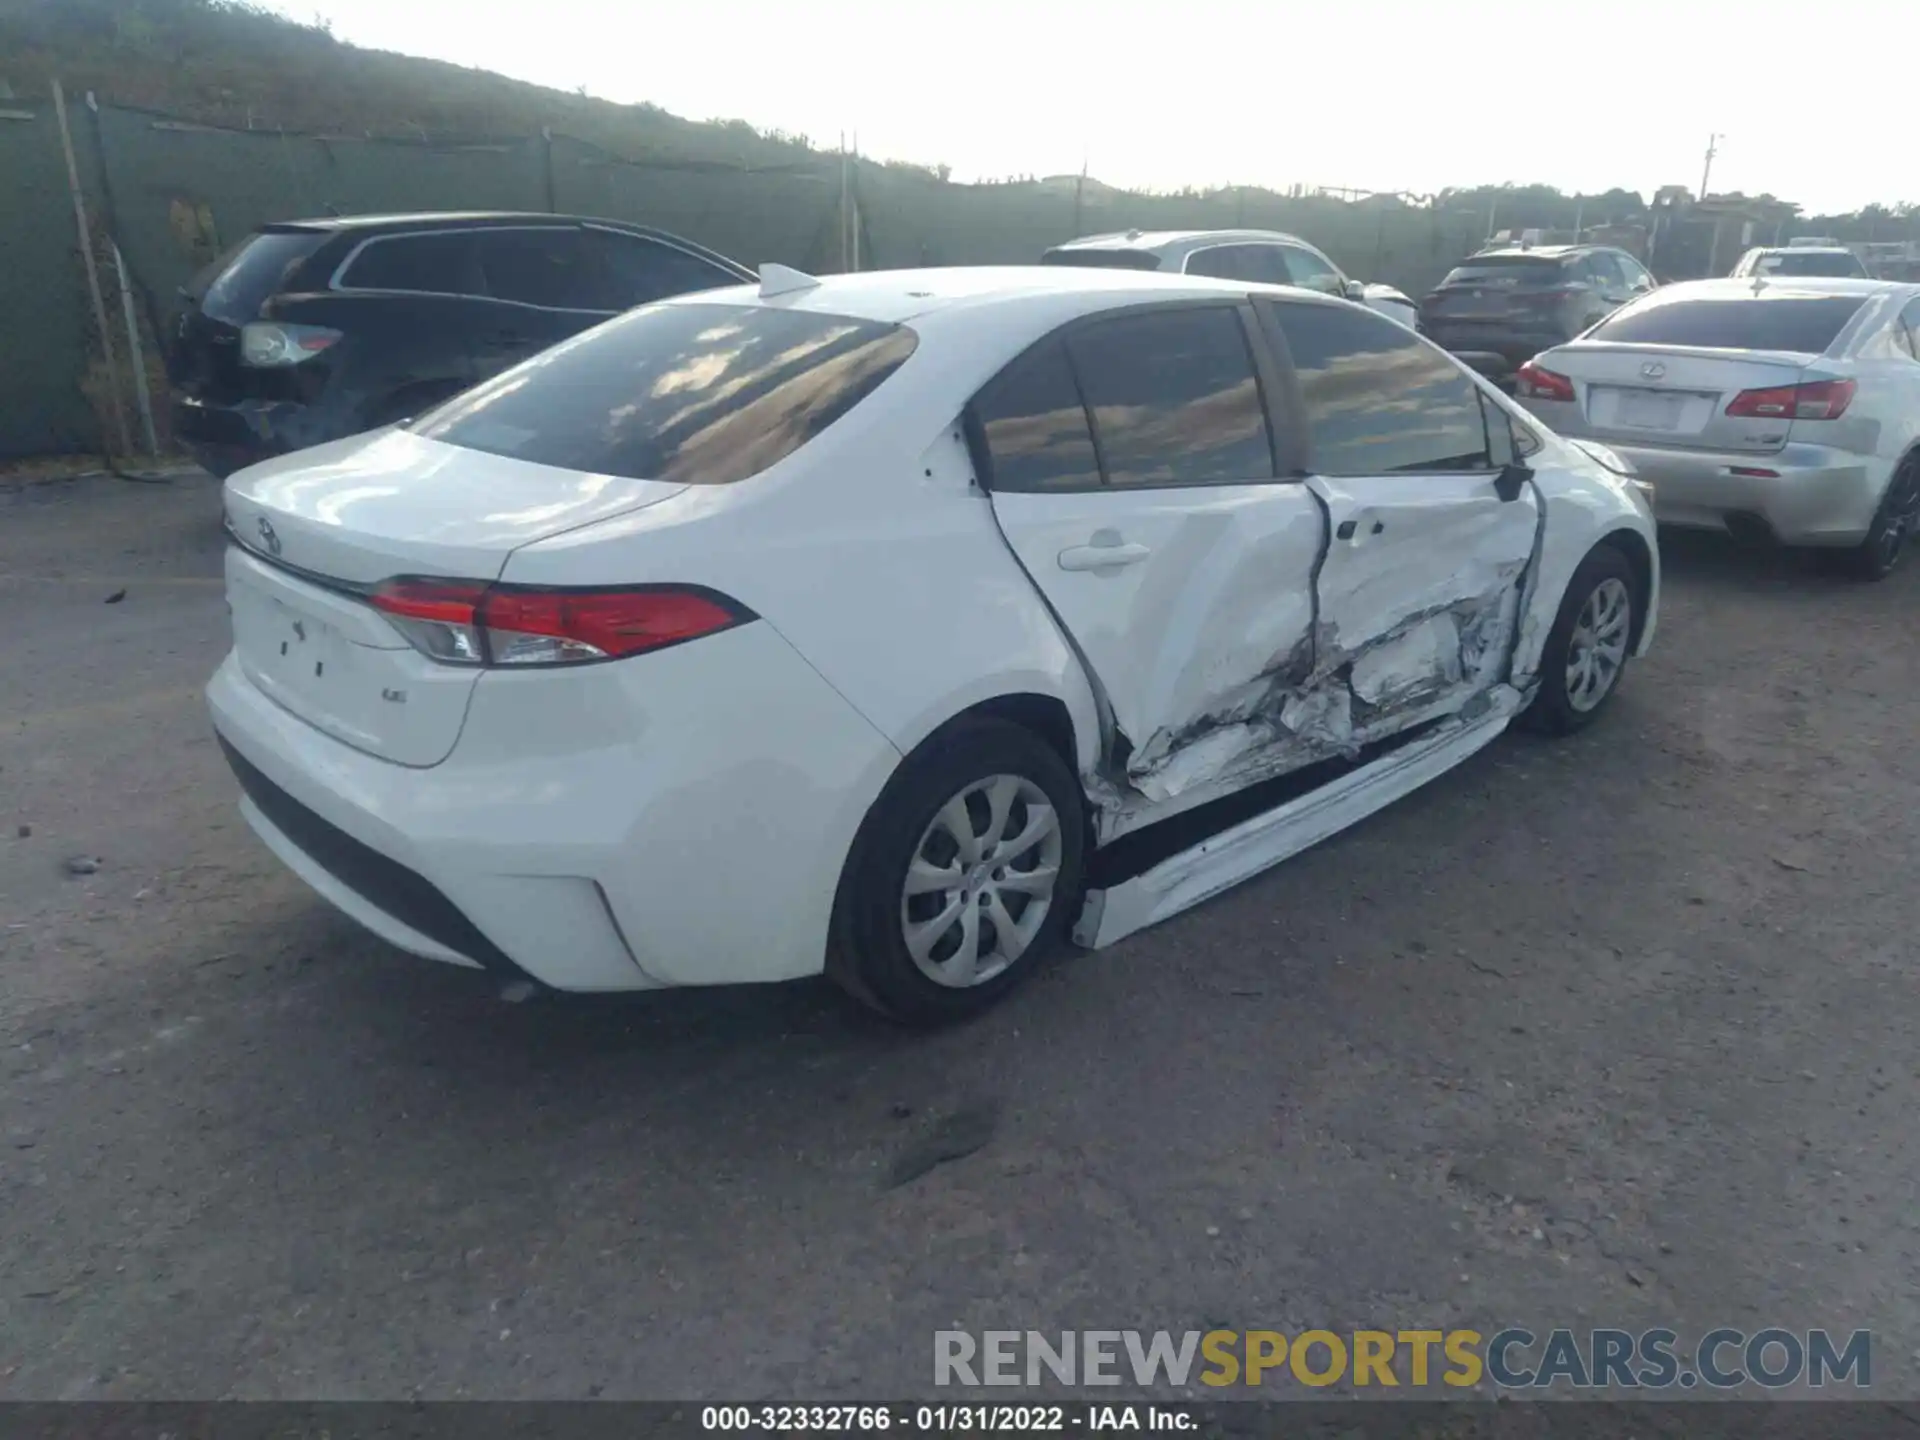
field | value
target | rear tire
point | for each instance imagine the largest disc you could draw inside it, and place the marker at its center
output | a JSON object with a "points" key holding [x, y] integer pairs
{"points": [[1894, 527], [1589, 646], [992, 810]]}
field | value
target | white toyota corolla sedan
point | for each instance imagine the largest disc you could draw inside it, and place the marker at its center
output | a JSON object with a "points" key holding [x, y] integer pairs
{"points": [[879, 624]]}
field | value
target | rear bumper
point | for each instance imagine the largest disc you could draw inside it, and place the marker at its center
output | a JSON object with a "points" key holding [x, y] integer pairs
{"points": [[1506, 349], [678, 819], [226, 438], [1806, 495]]}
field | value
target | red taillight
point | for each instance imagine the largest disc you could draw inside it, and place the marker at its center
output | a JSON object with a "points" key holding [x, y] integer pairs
{"points": [[545, 627], [466, 622], [450, 602], [1816, 400], [1534, 383]]}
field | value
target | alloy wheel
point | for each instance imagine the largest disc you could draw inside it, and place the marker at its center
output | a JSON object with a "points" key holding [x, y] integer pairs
{"points": [[1598, 647], [981, 881]]}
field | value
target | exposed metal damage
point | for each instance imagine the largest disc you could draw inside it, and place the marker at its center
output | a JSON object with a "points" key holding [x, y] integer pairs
{"points": [[1328, 696]]}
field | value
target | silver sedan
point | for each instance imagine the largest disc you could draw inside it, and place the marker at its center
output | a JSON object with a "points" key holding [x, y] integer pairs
{"points": [[1783, 409]]}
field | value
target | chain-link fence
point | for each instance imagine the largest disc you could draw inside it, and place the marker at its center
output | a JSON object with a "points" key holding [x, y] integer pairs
{"points": [[171, 195]]}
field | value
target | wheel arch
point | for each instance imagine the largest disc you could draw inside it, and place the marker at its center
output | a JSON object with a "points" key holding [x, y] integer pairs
{"points": [[1633, 545]]}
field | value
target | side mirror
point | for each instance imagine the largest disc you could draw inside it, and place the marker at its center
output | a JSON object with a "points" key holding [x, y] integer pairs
{"points": [[1353, 290], [1510, 482]]}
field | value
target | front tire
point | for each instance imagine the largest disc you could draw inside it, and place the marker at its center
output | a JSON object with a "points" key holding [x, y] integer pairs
{"points": [[1588, 648], [963, 876]]}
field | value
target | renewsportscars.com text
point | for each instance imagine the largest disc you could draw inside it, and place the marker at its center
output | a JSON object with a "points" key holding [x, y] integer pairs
{"points": [[1512, 1358]]}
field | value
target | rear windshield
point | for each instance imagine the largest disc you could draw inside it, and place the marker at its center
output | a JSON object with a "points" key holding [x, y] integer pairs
{"points": [[1104, 259], [1805, 323], [1809, 262], [1505, 270], [234, 287], [694, 394]]}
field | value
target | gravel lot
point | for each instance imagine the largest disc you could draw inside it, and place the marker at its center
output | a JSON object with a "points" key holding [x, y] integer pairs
{"points": [[1617, 1031]]}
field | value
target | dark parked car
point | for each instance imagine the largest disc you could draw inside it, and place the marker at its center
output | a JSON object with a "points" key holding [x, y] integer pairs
{"points": [[1500, 308], [315, 329]]}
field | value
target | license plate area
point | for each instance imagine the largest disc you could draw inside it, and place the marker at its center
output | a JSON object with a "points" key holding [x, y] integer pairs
{"points": [[301, 652], [1654, 411]]}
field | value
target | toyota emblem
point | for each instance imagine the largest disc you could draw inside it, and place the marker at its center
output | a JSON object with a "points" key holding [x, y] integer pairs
{"points": [[1653, 369], [268, 537]]}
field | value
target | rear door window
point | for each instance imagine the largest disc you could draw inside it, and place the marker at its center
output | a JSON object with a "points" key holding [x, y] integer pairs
{"points": [[1174, 398], [632, 270], [695, 394], [1034, 425], [235, 287], [1772, 321], [1909, 326], [1222, 262], [546, 267], [1379, 399], [445, 263], [1603, 272], [1309, 271]]}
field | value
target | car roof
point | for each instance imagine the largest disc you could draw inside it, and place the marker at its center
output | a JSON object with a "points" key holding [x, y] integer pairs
{"points": [[1800, 250], [368, 226], [450, 220], [1536, 252], [1156, 240], [1059, 291], [1761, 286]]}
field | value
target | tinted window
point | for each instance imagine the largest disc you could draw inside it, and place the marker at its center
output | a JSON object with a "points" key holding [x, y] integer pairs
{"points": [[631, 271], [1034, 425], [1810, 262], [697, 394], [1174, 398], [1506, 270], [1104, 259], [537, 267], [1268, 265], [1309, 271], [1224, 262], [1379, 399], [258, 267], [438, 264], [1777, 321], [1605, 272], [1910, 326], [1637, 276]]}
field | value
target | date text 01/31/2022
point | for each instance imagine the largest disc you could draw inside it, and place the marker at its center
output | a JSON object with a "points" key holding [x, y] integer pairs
{"points": [[943, 1419]]}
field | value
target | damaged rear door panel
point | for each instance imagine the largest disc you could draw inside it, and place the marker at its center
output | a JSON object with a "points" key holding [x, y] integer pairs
{"points": [[1135, 468]]}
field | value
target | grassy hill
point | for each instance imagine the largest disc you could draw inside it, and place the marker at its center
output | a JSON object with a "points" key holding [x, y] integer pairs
{"points": [[227, 63]]}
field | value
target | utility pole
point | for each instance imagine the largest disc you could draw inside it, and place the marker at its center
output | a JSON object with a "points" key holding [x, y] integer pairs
{"points": [[1713, 148]]}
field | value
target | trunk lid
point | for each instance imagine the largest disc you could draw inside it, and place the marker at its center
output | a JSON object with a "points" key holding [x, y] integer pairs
{"points": [[1672, 395], [318, 530]]}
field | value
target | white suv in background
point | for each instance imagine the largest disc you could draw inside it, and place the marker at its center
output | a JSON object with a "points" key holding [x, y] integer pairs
{"points": [[1832, 262], [1266, 257]]}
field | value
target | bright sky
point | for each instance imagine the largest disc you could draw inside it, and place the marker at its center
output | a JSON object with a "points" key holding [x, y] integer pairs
{"points": [[1815, 101]]}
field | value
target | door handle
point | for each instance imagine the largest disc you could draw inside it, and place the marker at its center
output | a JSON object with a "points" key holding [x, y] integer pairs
{"points": [[1102, 557], [1346, 528]]}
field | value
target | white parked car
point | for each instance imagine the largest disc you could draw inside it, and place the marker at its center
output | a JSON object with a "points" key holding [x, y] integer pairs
{"points": [[1263, 257], [1799, 261], [852, 624], [1783, 410]]}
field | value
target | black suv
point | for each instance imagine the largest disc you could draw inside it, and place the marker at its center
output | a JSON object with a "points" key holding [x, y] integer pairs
{"points": [[1500, 308], [315, 329]]}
